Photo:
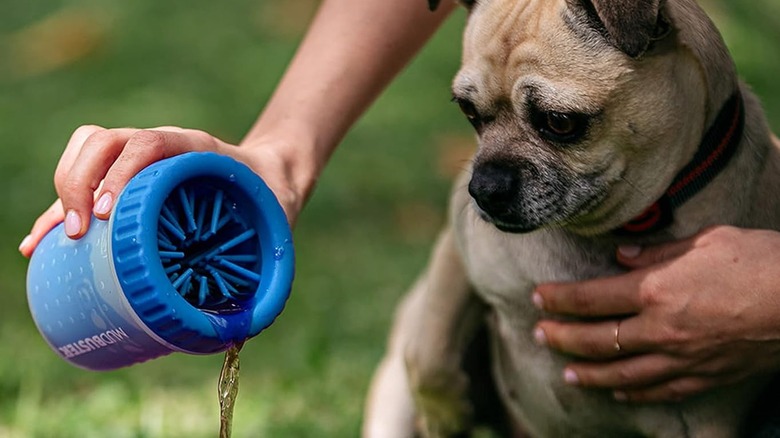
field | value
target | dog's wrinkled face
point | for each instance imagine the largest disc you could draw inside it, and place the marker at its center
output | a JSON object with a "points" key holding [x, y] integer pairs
{"points": [[583, 119]]}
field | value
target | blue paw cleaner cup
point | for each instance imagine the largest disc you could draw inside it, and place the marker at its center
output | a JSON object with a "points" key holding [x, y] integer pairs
{"points": [[196, 256]]}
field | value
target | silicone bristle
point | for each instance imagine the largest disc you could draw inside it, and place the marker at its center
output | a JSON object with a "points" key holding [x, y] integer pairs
{"points": [[199, 221], [208, 252], [173, 223], [220, 282], [215, 211], [248, 234], [203, 290], [164, 243], [188, 214], [184, 277], [185, 288], [223, 221], [228, 282], [171, 255], [232, 279], [246, 273], [168, 225], [237, 258]]}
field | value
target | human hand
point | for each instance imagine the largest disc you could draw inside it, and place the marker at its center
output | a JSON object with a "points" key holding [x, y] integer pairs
{"points": [[689, 316], [97, 163]]}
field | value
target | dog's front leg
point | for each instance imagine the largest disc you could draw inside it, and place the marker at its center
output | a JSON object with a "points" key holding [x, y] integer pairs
{"points": [[422, 367], [448, 314]]}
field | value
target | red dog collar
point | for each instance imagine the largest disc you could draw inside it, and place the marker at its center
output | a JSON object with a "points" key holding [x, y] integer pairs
{"points": [[716, 150]]}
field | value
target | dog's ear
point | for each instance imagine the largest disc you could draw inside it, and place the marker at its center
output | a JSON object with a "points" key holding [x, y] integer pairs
{"points": [[631, 25]]}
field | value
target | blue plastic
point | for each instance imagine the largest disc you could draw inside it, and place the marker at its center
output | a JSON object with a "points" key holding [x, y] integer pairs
{"points": [[197, 256]]}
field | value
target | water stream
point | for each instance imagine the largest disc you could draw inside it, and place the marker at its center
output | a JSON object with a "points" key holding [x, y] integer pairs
{"points": [[228, 390]]}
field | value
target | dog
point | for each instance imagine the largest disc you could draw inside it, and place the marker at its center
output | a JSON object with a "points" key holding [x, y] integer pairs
{"points": [[599, 122]]}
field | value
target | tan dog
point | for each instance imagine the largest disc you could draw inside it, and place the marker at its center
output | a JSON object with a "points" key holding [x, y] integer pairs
{"points": [[599, 122]]}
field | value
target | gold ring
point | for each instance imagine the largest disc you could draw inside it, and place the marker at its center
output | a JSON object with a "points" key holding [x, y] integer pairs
{"points": [[617, 337]]}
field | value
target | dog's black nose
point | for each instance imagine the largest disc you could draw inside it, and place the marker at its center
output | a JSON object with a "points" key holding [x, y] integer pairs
{"points": [[494, 186]]}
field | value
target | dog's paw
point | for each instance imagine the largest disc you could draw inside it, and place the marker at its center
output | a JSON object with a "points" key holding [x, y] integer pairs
{"points": [[443, 410]]}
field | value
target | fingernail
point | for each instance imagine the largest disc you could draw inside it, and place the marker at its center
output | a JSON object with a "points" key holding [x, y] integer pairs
{"points": [[104, 203], [629, 251], [570, 377], [25, 242], [538, 300], [620, 396], [540, 337], [72, 223]]}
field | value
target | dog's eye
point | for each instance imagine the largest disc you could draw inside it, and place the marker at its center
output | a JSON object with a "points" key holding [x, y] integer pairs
{"points": [[561, 127], [470, 111], [561, 124]]}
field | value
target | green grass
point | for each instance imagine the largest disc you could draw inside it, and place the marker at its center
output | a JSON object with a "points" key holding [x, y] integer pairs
{"points": [[211, 66]]}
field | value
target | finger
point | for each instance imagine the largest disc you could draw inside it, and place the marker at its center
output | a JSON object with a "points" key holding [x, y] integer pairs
{"points": [[142, 149], [72, 150], [638, 257], [671, 391], [48, 220], [632, 372], [591, 340], [77, 188], [607, 296]]}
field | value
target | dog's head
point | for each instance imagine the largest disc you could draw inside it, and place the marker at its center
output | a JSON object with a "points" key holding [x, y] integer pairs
{"points": [[585, 109]]}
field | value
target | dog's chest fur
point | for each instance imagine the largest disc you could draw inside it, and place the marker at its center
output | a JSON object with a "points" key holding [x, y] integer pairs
{"points": [[503, 269]]}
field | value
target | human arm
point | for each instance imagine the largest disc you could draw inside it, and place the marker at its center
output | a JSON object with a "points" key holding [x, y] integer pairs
{"points": [[695, 314], [351, 52]]}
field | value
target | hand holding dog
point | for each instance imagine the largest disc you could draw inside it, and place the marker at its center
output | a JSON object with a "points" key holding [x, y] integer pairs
{"points": [[693, 315]]}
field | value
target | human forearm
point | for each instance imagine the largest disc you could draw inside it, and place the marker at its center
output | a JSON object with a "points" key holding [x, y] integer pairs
{"points": [[351, 52]]}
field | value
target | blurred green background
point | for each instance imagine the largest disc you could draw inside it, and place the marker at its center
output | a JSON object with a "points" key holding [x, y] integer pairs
{"points": [[360, 242]]}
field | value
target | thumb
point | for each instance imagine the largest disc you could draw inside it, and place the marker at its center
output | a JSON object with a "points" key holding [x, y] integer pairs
{"points": [[635, 257]]}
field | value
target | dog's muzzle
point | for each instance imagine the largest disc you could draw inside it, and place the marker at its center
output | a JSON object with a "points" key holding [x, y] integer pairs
{"points": [[508, 197], [521, 196]]}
